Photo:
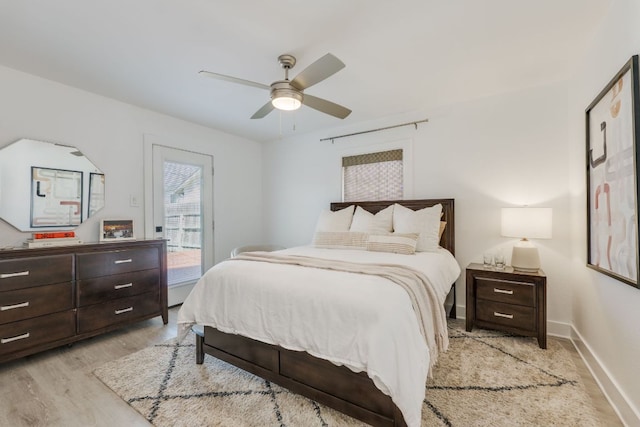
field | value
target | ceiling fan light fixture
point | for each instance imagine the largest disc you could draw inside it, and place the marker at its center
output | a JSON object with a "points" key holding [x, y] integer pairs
{"points": [[288, 95], [286, 103], [286, 99]]}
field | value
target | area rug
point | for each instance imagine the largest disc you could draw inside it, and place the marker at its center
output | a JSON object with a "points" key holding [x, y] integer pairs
{"points": [[485, 379]]}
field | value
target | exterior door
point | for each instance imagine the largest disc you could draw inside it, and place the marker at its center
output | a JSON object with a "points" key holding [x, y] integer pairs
{"points": [[183, 214]]}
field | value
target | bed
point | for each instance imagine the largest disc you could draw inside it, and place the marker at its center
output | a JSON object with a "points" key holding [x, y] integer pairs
{"points": [[334, 381]]}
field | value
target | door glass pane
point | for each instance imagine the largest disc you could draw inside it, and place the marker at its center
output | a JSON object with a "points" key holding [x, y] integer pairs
{"points": [[183, 221]]}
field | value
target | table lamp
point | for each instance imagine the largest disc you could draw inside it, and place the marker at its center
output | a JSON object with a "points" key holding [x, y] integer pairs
{"points": [[526, 223]]}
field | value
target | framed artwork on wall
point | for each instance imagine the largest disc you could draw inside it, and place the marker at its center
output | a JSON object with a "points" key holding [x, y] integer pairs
{"points": [[116, 229], [56, 197], [612, 122]]}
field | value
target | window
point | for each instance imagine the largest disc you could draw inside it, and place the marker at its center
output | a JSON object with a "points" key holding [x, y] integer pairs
{"points": [[372, 176]]}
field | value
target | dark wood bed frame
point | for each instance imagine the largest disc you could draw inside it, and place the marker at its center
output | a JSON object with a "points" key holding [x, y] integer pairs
{"points": [[335, 386]]}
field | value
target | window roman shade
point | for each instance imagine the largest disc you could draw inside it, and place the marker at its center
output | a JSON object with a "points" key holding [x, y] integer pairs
{"points": [[373, 176]]}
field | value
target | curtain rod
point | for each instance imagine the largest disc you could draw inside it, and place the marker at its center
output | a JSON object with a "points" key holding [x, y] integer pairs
{"points": [[375, 130]]}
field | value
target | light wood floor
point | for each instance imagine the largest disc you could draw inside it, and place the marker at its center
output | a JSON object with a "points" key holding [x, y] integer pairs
{"points": [[58, 388]]}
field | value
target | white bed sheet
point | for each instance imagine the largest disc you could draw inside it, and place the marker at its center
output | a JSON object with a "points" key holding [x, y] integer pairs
{"points": [[360, 321]]}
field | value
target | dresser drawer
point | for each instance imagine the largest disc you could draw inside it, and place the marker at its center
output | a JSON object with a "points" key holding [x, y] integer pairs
{"points": [[98, 264], [100, 289], [35, 271], [506, 291], [122, 310], [32, 302], [21, 335], [515, 316]]}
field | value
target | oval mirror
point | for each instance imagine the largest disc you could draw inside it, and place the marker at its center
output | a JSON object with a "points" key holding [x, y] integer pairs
{"points": [[47, 186]]}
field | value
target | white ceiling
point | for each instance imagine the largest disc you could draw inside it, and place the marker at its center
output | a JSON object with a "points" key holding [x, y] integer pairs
{"points": [[401, 57]]}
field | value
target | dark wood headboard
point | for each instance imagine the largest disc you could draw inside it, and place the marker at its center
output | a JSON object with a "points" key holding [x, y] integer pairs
{"points": [[448, 240]]}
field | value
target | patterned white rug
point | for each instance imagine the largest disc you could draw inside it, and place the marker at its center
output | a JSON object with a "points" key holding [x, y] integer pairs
{"points": [[485, 379]]}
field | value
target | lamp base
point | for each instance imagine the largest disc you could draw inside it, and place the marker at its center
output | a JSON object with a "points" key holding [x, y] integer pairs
{"points": [[525, 257]]}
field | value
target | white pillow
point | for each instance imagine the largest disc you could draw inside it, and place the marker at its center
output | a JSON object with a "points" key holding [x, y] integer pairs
{"points": [[366, 222], [395, 243], [425, 222], [335, 221]]}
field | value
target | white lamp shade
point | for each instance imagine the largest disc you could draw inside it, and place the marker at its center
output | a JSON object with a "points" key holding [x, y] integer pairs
{"points": [[528, 223]]}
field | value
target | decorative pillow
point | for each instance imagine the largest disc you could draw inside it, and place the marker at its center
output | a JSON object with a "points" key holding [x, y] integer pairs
{"points": [[366, 222], [335, 221], [425, 222], [340, 240], [396, 243]]}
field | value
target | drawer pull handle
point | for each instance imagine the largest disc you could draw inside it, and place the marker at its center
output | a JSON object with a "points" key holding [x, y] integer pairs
{"points": [[125, 285], [122, 261], [124, 310], [506, 316], [503, 291], [19, 337], [9, 275], [11, 307]]}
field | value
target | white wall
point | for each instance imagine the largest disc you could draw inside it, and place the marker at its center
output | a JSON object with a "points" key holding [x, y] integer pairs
{"points": [[110, 133], [502, 151], [606, 312]]}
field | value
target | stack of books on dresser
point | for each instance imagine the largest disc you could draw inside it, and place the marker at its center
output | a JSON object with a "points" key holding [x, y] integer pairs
{"points": [[50, 239]]}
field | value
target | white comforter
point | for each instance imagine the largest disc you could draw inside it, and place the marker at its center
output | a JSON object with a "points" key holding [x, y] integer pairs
{"points": [[360, 321]]}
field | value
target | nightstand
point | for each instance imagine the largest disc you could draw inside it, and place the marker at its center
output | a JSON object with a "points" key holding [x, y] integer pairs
{"points": [[507, 300]]}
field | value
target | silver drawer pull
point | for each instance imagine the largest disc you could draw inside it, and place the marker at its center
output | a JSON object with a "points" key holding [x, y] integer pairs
{"points": [[11, 307], [506, 316], [502, 291], [124, 310], [9, 275], [125, 285], [122, 261], [19, 337]]}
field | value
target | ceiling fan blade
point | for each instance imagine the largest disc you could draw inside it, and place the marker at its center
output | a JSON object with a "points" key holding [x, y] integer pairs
{"points": [[325, 106], [233, 79], [266, 109], [317, 72]]}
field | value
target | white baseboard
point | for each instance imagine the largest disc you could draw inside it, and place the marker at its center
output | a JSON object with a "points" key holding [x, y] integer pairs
{"points": [[619, 401], [559, 329]]}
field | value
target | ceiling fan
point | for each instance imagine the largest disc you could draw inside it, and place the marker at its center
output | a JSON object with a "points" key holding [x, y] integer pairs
{"points": [[289, 94]]}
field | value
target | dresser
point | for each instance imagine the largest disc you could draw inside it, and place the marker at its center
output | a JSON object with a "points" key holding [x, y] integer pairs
{"points": [[507, 300], [58, 295]]}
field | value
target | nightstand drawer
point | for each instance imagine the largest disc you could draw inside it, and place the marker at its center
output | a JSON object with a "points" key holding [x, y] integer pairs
{"points": [[516, 316], [506, 291]]}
